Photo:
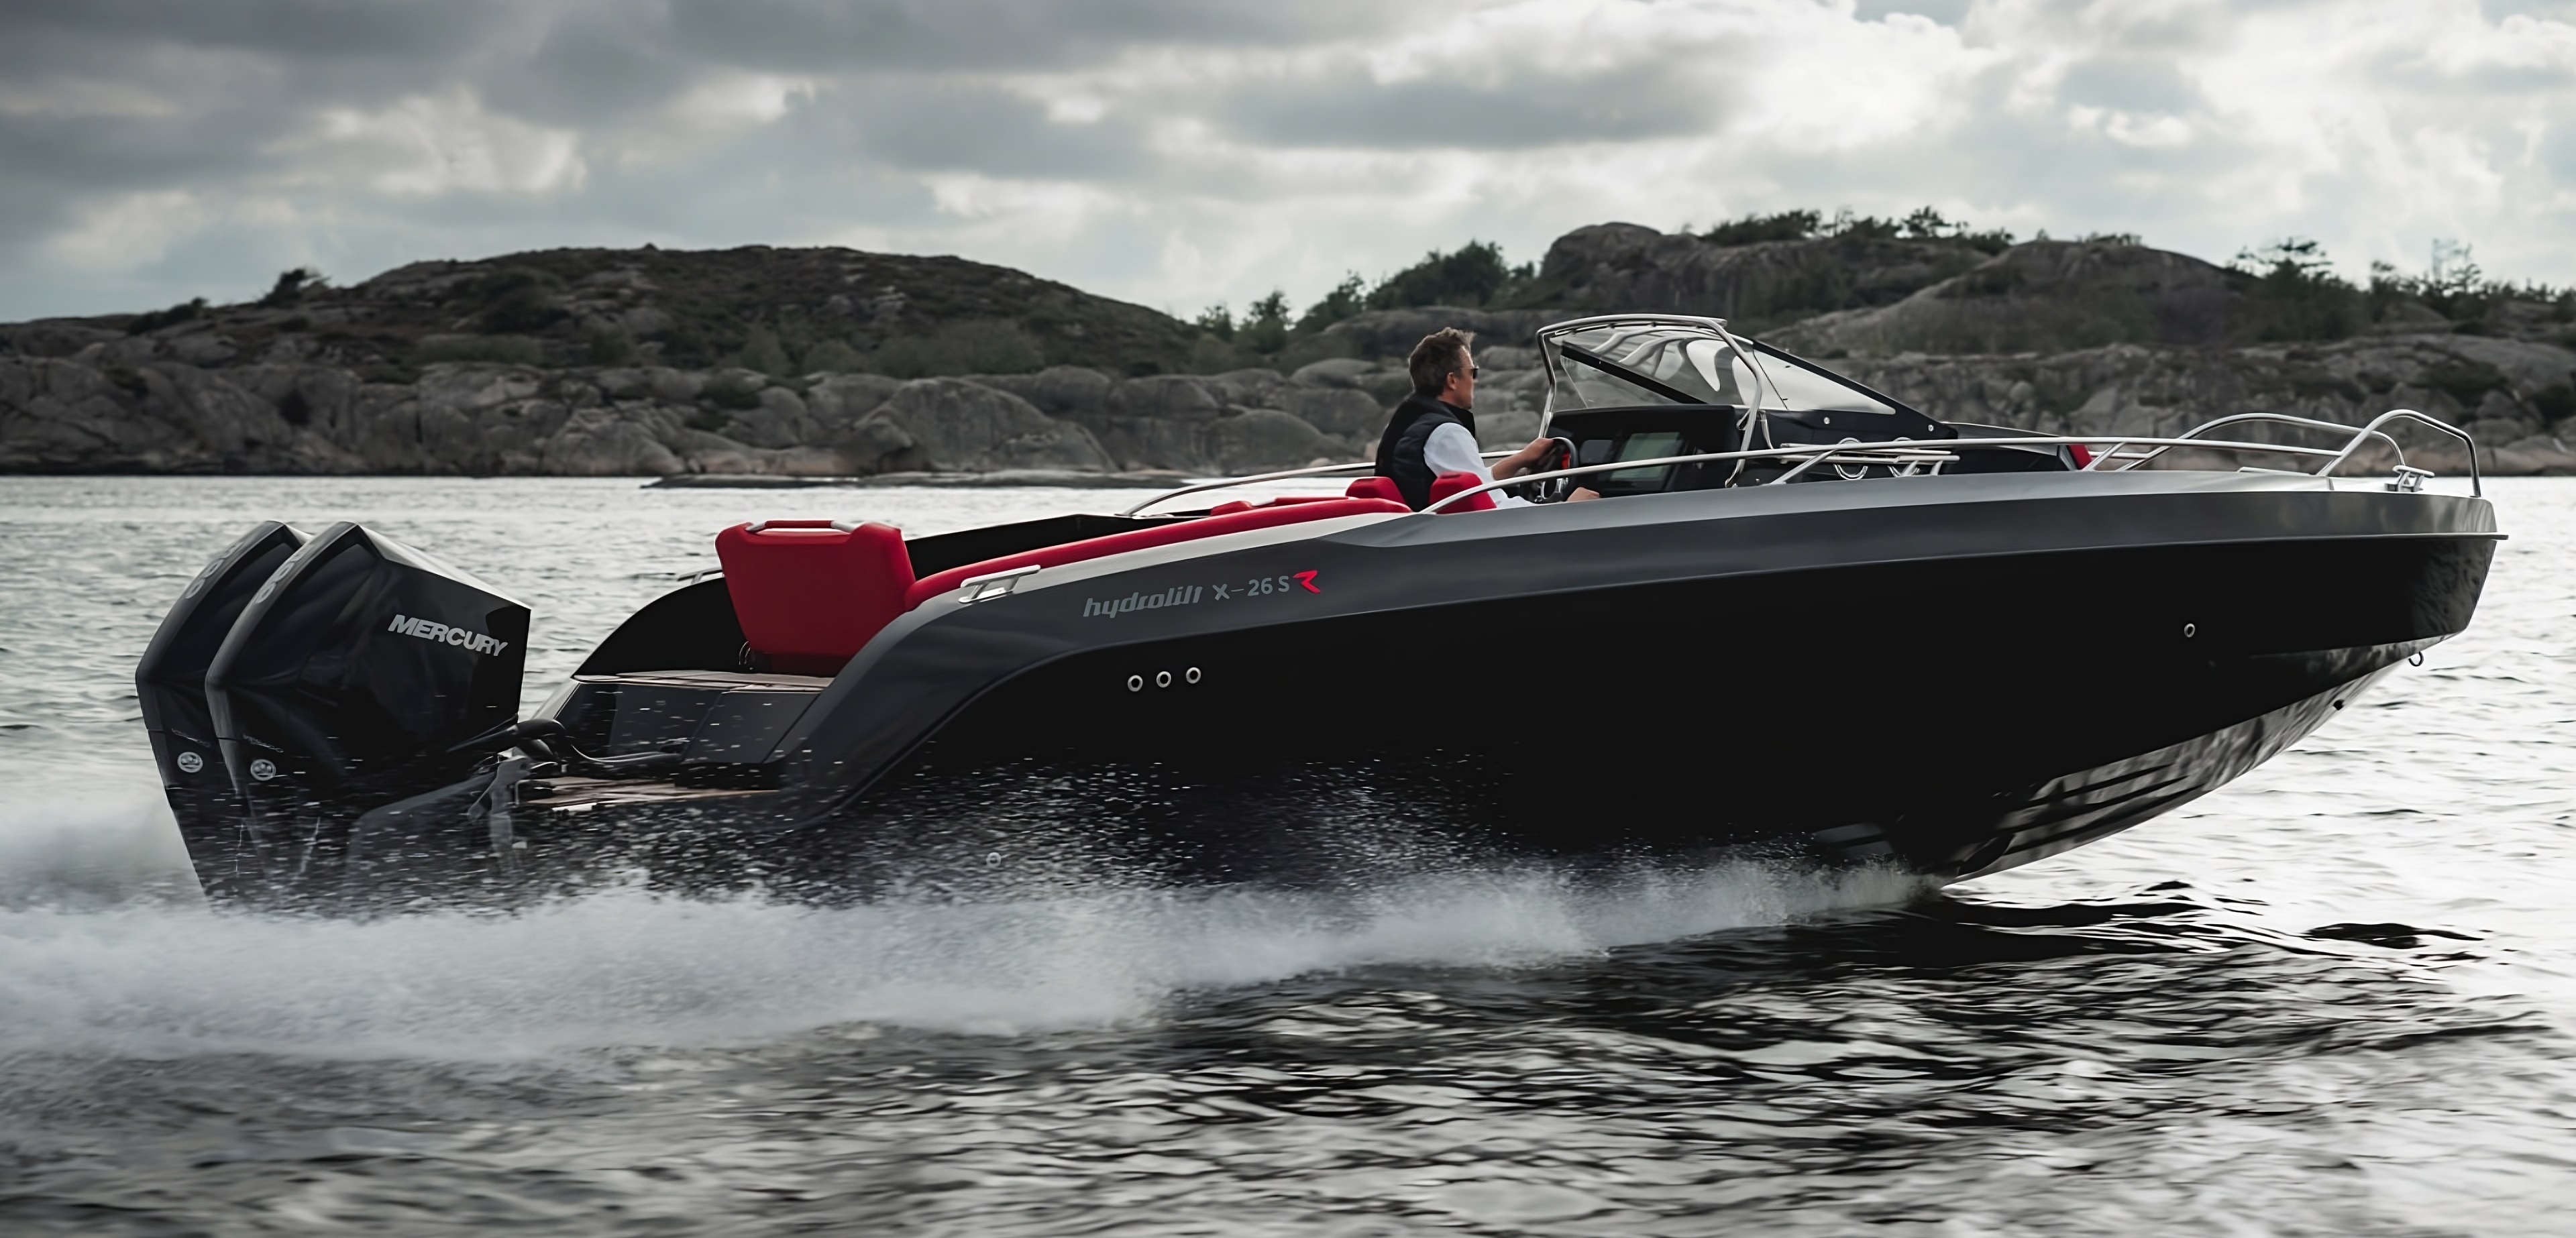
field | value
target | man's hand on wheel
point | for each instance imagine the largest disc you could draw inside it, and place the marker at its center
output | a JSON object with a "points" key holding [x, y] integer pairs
{"points": [[1525, 459]]}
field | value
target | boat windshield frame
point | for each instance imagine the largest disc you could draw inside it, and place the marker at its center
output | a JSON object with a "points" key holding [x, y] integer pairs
{"points": [[1556, 350]]}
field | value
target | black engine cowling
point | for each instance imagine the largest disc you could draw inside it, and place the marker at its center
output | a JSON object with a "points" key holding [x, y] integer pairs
{"points": [[170, 683], [363, 670]]}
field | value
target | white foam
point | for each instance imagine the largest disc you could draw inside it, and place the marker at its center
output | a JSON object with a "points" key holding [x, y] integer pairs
{"points": [[623, 967], [94, 841]]}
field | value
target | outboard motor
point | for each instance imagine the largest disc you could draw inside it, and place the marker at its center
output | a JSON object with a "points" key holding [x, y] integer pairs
{"points": [[171, 684], [362, 671]]}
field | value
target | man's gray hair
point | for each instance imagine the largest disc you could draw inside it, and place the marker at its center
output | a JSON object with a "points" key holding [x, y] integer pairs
{"points": [[1439, 355]]}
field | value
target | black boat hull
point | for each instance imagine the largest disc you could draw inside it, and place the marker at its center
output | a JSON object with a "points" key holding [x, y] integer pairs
{"points": [[1945, 675], [1672, 717]]}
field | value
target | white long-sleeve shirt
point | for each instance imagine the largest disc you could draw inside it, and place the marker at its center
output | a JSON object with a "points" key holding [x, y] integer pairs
{"points": [[1451, 449]]}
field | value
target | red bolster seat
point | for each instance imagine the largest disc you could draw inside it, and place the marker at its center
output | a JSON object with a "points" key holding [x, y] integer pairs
{"points": [[809, 593], [1376, 488], [1448, 484], [1140, 539]]}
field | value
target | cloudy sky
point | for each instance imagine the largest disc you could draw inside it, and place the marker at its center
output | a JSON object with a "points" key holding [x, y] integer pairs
{"points": [[1182, 152]]}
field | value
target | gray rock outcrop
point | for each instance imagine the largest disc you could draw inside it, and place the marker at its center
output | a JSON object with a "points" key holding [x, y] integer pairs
{"points": [[161, 414], [559, 372], [2511, 396]]}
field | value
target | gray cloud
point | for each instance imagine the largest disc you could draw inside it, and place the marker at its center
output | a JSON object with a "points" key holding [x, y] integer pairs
{"points": [[391, 29], [936, 126], [597, 65], [1348, 108], [1181, 151], [934, 35]]}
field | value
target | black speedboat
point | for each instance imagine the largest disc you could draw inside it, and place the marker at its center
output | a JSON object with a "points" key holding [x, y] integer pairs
{"points": [[1805, 617]]}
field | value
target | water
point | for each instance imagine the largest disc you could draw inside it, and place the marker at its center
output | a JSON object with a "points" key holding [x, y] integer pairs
{"points": [[2147, 1036]]}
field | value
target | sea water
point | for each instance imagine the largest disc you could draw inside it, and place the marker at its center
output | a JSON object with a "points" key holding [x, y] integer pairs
{"points": [[2338, 997]]}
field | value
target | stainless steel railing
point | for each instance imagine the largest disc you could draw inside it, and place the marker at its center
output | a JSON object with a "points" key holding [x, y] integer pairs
{"points": [[2360, 436], [2114, 453], [1228, 483]]}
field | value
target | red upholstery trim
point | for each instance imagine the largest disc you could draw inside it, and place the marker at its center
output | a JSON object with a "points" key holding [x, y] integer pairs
{"points": [[1285, 500], [809, 595], [1448, 484], [2083, 455], [1376, 488], [1140, 539]]}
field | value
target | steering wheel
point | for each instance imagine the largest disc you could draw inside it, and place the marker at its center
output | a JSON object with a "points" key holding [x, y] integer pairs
{"points": [[1555, 489]]}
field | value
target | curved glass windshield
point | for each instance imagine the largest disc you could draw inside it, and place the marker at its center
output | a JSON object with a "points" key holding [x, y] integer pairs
{"points": [[1649, 360]]}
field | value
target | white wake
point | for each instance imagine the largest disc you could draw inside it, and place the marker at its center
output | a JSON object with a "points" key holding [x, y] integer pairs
{"points": [[98, 962]]}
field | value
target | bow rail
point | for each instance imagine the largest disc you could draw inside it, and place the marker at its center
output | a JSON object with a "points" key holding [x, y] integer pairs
{"points": [[2113, 453]]}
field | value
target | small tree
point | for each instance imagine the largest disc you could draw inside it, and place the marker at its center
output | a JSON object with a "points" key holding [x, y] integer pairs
{"points": [[1926, 224], [2455, 270], [291, 286], [761, 351], [1265, 322], [1472, 274], [1218, 321], [2297, 295], [1347, 298], [1785, 226], [611, 346], [2290, 260]]}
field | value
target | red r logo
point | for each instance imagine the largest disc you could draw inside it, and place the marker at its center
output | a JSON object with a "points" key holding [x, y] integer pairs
{"points": [[1308, 579]]}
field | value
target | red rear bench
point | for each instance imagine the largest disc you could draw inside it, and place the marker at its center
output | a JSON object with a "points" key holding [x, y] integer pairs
{"points": [[811, 593]]}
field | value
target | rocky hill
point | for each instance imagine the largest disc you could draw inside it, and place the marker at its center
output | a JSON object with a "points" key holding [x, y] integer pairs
{"points": [[2110, 336], [829, 362]]}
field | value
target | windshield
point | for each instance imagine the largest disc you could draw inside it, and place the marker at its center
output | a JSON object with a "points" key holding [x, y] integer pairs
{"points": [[1649, 360]]}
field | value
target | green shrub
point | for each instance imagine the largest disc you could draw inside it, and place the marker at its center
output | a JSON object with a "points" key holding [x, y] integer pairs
{"points": [[291, 287], [1472, 274], [612, 346], [518, 300], [1347, 298], [1210, 355], [684, 348], [974, 346], [499, 349], [761, 351], [193, 307], [1925, 224], [1265, 323], [2295, 295], [1785, 226], [2465, 381], [734, 393], [2455, 287], [834, 356], [1304, 349]]}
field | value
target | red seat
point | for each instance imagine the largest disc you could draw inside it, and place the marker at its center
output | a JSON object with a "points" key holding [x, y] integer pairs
{"points": [[1285, 500], [1140, 539], [1448, 484], [1376, 488], [810, 593]]}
